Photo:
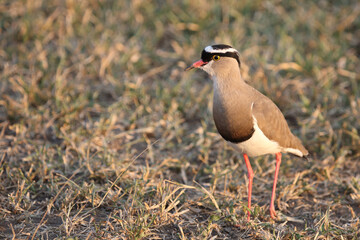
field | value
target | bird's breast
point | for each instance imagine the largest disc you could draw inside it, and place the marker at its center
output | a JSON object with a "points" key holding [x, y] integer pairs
{"points": [[232, 117]]}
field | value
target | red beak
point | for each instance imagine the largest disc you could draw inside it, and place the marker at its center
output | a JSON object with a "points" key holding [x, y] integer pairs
{"points": [[196, 65]]}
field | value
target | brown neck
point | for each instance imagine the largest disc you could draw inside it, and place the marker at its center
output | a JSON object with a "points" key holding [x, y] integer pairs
{"points": [[232, 109]]}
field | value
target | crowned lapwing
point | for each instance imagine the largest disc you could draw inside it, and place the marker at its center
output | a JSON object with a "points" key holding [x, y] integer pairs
{"points": [[243, 116]]}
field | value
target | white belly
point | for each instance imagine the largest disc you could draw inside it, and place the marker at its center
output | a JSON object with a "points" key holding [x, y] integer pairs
{"points": [[258, 144]]}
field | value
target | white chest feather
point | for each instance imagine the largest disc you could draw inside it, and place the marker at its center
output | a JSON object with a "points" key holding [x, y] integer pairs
{"points": [[258, 144]]}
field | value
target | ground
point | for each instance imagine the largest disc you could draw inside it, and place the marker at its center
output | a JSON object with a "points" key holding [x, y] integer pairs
{"points": [[104, 136]]}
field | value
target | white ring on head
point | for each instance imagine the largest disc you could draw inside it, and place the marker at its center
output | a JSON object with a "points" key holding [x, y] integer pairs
{"points": [[210, 49]]}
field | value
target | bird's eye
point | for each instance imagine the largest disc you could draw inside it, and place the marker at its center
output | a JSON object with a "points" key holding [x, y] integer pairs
{"points": [[216, 57]]}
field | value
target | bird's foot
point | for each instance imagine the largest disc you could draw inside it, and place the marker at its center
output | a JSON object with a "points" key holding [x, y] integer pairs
{"points": [[273, 213], [248, 216]]}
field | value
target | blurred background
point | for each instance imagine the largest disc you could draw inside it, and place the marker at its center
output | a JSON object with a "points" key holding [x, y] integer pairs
{"points": [[103, 134]]}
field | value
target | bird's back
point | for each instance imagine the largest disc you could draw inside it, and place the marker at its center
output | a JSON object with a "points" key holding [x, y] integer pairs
{"points": [[272, 123]]}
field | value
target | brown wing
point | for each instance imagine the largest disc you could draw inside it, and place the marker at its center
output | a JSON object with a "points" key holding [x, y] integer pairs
{"points": [[273, 124]]}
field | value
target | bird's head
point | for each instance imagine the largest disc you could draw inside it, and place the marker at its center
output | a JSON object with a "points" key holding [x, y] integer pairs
{"points": [[218, 59]]}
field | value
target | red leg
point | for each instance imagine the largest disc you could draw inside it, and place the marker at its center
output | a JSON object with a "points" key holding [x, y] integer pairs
{"points": [[250, 177], [272, 207]]}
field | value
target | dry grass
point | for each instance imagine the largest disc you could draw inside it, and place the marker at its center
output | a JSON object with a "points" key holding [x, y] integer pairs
{"points": [[103, 136]]}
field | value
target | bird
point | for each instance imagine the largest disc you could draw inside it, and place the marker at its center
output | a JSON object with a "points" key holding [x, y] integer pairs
{"points": [[247, 119]]}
